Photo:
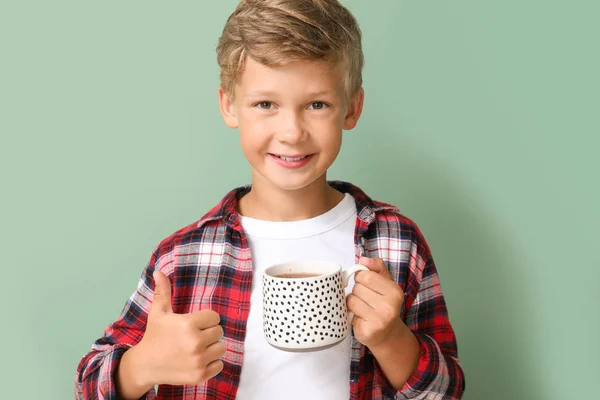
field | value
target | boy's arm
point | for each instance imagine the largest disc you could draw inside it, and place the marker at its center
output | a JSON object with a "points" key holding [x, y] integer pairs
{"points": [[95, 377], [414, 357], [438, 373]]}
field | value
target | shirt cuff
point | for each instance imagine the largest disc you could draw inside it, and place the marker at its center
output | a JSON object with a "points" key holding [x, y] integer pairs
{"points": [[107, 389], [421, 378]]}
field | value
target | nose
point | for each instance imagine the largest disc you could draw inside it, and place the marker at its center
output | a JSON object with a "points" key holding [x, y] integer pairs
{"points": [[291, 129]]}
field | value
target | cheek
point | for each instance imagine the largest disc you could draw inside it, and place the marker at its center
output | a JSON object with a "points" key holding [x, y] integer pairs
{"points": [[335, 144], [330, 135], [253, 125], [250, 142], [254, 144]]}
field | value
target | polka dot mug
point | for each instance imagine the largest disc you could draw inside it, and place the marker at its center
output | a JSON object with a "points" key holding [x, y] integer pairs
{"points": [[304, 304]]}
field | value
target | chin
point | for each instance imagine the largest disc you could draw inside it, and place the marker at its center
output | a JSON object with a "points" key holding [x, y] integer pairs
{"points": [[290, 187], [294, 185]]}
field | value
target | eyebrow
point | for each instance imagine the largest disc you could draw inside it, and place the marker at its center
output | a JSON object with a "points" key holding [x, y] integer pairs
{"points": [[266, 93]]}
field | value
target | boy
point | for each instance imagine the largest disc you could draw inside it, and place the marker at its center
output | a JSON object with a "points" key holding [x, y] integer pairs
{"points": [[291, 83]]}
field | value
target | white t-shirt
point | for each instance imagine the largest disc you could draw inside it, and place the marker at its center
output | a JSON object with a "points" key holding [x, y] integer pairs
{"points": [[270, 373]]}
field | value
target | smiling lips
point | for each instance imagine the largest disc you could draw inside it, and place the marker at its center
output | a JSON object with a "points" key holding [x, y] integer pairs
{"points": [[295, 161]]}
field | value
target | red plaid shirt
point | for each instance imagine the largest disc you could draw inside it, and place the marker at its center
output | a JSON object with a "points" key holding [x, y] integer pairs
{"points": [[210, 266]]}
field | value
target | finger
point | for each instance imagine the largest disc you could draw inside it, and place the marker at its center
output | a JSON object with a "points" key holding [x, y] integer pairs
{"points": [[204, 319], [357, 322], [212, 335], [214, 352], [161, 302], [376, 282], [375, 265], [213, 369], [358, 307], [371, 298]]}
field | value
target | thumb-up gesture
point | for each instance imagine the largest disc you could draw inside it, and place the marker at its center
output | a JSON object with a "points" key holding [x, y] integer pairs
{"points": [[179, 349]]}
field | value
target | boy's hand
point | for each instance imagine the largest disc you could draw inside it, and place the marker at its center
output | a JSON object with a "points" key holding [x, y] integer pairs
{"points": [[179, 349], [376, 302]]}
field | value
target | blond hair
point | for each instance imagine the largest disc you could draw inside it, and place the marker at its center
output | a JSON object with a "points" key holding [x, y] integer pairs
{"points": [[278, 32]]}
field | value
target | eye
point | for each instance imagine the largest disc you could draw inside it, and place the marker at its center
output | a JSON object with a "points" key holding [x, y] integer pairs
{"points": [[317, 105], [265, 105]]}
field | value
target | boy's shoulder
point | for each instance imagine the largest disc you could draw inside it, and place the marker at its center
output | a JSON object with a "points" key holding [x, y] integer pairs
{"points": [[209, 229], [372, 210], [387, 227]]}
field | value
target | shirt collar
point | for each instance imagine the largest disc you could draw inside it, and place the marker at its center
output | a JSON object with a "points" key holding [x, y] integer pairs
{"points": [[227, 209]]}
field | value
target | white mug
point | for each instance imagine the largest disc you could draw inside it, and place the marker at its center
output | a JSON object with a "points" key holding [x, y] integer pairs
{"points": [[304, 304]]}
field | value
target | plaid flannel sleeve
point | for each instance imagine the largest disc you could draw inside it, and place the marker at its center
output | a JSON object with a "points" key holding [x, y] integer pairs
{"points": [[95, 376], [439, 374]]}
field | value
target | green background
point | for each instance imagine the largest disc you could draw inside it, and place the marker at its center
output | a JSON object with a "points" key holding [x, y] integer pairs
{"points": [[478, 123]]}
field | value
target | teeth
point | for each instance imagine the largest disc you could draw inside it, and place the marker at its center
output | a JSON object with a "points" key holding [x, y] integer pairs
{"points": [[292, 159]]}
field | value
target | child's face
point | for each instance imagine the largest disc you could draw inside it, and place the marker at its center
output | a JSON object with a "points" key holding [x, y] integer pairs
{"points": [[298, 110]]}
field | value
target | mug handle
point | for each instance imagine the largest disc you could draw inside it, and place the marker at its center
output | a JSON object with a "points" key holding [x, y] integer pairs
{"points": [[346, 274]]}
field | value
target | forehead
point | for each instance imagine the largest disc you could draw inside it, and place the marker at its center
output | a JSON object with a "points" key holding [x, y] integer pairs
{"points": [[298, 76]]}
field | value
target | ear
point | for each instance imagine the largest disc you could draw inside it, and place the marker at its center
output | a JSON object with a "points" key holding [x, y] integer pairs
{"points": [[354, 110], [227, 109]]}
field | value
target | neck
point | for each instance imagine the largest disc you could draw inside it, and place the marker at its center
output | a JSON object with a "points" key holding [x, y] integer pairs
{"points": [[269, 203]]}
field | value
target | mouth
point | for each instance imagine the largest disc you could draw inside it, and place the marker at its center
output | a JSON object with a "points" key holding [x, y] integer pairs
{"points": [[291, 161], [291, 158]]}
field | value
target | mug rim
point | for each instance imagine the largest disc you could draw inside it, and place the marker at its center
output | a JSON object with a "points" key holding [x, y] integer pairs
{"points": [[333, 269]]}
